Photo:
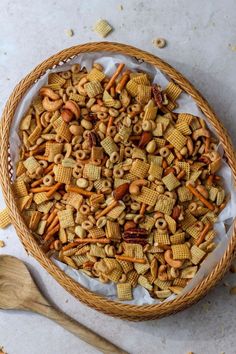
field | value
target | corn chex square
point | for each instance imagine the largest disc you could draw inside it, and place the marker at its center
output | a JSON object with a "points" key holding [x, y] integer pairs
{"points": [[155, 159], [177, 139], [93, 88], [150, 113], [132, 88], [36, 133], [148, 223], [31, 164], [116, 211], [113, 230], [109, 145], [141, 268], [124, 291], [164, 204], [66, 218], [170, 181], [188, 220], [140, 78], [74, 199], [170, 158], [124, 132], [96, 74], [132, 278], [97, 153], [163, 284], [133, 250], [183, 127], [184, 194], [140, 168], [144, 94], [160, 142], [108, 99], [193, 231], [97, 251], [40, 198], [19, 188], [126, 266], [62, 174], [171, 223], [4, 218], [64, 132], [184, 117], [173, 91], [181, 251], [147, 196], [177, 238], [186, 167], [92, 172], [96, 232], [53, 149], [196, 254], [155, 170], [161, 239], [102, 28]]}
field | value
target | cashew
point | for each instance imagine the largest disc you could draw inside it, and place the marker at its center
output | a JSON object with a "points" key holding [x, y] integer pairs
{"points": [[73, 107], [80, 86], [202, 132], [134, 187], [51, 106], [48, 92], [173, 263], [162, 272]]}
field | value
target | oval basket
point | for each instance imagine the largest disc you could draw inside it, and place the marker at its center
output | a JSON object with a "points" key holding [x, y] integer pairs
{"points": [[130, 312]]}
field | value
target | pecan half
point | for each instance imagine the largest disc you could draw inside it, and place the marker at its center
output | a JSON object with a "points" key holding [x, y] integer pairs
{"points": [[92, 139], [140, 241], [157, 95], [135, 233]]}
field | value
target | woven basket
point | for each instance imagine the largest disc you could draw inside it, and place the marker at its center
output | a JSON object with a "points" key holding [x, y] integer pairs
{"points": [[130, 312]]}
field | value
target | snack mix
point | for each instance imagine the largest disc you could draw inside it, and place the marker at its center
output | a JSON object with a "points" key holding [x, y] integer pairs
{"points": [[114, 183]]}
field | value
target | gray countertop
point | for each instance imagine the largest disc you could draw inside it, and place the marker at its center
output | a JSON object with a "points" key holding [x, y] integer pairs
{"points": [[201, 39]]}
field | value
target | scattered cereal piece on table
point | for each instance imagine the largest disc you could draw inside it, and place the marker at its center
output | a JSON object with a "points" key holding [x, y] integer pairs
{"points": [[102, 28]]}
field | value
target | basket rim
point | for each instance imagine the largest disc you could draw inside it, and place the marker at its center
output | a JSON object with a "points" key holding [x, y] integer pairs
{"points": [[99, 302]]}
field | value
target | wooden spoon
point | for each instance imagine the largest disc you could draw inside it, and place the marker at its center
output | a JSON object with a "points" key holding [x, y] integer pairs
{"points": [[19, 292]]}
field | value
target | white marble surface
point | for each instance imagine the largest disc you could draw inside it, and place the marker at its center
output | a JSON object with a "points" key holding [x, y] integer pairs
{"points": [[200, 37]]}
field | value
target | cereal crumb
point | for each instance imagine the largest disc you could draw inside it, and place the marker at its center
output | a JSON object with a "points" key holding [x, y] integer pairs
{"points": [[2, 244], [233, 291], [232, 47], [120, 7], [70, 32], [159, 42], [66, 301]]}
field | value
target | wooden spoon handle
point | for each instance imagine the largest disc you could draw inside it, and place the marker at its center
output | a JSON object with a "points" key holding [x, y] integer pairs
{"points": [[78, 329]]}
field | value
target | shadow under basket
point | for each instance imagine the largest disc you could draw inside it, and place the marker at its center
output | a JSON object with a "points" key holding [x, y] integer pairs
{"points": [[100, 303]]}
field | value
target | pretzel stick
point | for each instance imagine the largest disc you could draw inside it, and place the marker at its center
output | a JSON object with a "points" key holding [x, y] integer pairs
{"points": [[107, 209], [131, 259], [109, 124], [41, 157], [142, 209], [114, 77], [121, 84], [40, 181], [53, 224], [181, 175], [207, 145], [200, 197], [52, 232], [49, 168], [53, 189], [79, 191], [69, 246], [51, 217], [202, 235], [92, 240], [40, 189]]}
